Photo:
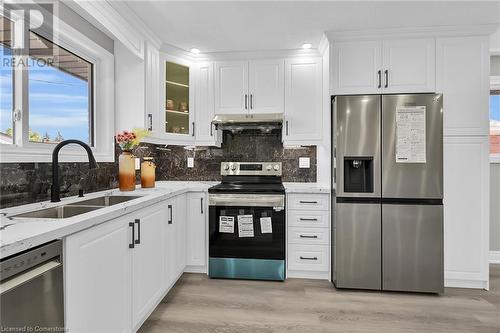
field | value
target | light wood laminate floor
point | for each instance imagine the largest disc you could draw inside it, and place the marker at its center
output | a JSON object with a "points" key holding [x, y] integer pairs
{"points": [[198, 304]]}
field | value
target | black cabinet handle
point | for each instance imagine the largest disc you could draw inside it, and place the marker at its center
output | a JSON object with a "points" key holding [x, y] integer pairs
{"points": [[131, 245], [246, 101], [201, 204], [308, 202], [379, 79], [211, 129], [286, 127], [307, 236], [251, 101], [386, 72], [307, 219], [138, 240], [169, 214], [308, 258], [150, 122], [193, 128]]}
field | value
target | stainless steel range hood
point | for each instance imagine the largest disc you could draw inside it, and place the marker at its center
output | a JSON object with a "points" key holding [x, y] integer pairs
{"points": [[265, 122]]}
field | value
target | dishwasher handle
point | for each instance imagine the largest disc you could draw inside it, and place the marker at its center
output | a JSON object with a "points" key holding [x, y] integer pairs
{"points": [[28, 275]]}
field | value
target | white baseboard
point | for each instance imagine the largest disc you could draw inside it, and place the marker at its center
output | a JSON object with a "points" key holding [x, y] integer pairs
{"points": [[195, 269], [494, 257], [307, 275], [471, 284]]}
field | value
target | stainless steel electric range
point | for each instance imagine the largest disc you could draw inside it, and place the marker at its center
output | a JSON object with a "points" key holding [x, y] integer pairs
{"points": [[247, 222]]}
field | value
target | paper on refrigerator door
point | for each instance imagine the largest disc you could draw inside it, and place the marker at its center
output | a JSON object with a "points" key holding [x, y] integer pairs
{"points": [[266, 226], [410, 135], [245, 226], [226, 224]]}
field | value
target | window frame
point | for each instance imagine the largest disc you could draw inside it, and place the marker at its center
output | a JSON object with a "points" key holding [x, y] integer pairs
{"points": [[494, 85], [102, 104]]}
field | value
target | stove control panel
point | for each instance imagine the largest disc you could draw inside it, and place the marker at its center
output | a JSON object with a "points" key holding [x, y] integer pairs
{"points": [[250, 169]]}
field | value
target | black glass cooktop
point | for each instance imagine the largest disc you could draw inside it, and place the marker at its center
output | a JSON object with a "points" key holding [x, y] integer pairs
{"points": [[249, 184]]}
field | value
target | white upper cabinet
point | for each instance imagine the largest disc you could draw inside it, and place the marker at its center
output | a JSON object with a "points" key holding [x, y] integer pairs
{"points": [[206, 133], [409, 65], [266, 86], [356, 67], [246, 87], [388, 66], [303, 119], [463, 79], [231, 87]]}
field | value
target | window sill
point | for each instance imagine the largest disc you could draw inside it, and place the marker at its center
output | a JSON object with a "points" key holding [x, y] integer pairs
{"points": [[495, 159], [16, 154]]}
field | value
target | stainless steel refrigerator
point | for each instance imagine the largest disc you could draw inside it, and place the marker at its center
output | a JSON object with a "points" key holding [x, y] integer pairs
{"points": [[388, 223]]}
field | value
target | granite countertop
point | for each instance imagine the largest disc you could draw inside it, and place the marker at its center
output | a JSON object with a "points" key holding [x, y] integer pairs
{"points": [[20, 234]]}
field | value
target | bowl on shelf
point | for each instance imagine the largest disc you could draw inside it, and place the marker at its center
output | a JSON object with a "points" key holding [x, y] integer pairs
{"points": [[183, 107], [170, 104]]}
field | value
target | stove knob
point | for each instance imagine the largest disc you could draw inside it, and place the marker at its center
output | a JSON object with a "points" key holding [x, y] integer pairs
{"points": [[226, 167], [276, 167], [233, 167], [269, 168]]}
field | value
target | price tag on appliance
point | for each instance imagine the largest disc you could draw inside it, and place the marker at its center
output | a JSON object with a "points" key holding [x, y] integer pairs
{"points": [[245, 226], [266, 226], [226, 224], [410, 135]]}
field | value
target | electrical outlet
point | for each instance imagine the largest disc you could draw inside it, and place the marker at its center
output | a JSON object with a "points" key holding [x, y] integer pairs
{"points": [[137, 163], [190, 162], [304, 162]]}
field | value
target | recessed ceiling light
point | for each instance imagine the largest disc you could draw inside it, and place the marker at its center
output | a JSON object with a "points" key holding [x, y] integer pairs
{"points": [[306, 45], [195, 50]]}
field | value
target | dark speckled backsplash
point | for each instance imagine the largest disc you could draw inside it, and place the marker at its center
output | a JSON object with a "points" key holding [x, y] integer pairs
{"points": [[22, 183]]}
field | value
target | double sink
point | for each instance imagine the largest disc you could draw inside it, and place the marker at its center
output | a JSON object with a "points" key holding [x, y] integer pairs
{"points": [[77, 208]]}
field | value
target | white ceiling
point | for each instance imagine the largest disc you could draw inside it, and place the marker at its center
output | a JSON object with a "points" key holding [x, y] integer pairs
{"points": [[243, 25]]}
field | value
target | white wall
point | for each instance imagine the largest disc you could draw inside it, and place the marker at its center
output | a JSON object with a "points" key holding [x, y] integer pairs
{"points": [[129, 89]]}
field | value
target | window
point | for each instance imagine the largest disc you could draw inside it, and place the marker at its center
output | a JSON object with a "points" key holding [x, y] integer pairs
{"points": [[6, 82], [63, 88], [495, 122], [60, 93]]}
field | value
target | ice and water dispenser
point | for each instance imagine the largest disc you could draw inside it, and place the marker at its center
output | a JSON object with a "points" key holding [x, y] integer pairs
{"points": [[358, 174]]}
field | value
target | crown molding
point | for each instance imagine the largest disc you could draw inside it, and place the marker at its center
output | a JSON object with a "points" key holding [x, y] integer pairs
{"points": [[259, 54], [323, 44], [415, 32]]}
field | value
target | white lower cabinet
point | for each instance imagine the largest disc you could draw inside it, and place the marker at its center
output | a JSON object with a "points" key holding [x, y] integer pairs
{"points": [[196, 252], [117, 272], [98, 278], [148, 260], [308, 235]]}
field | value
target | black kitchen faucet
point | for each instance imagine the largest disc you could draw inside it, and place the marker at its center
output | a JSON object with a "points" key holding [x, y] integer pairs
{"points": [[55, 195]]}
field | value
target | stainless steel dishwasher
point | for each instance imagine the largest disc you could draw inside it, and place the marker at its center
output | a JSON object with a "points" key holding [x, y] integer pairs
{"points": [[31, 290]]}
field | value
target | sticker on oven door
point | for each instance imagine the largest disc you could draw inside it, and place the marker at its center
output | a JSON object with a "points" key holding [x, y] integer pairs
{"points": [[245, 226], [266, 226], [226, 224]]}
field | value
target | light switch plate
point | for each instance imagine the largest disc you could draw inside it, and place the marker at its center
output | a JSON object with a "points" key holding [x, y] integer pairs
{"points": [[304, 162], [190, 162], [137, 163]]}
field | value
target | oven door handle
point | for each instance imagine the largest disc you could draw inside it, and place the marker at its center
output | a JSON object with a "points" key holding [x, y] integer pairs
{"points": [[247, 200], [29, 275]]}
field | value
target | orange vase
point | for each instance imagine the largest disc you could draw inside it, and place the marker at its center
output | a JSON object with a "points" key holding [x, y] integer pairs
{"points": [[126, 171], [148, 173]]}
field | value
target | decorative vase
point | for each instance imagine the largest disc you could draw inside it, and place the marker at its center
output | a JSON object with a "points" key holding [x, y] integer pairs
{"points": [[126, 171], [148, 173]]}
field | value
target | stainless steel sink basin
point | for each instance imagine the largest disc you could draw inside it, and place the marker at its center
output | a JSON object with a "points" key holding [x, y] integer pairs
{"points": [[60, 212], [105, 201]]}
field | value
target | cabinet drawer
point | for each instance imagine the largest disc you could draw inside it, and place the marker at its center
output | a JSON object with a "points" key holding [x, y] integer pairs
{"points": [[298, 235], [308, 257], [308, 201], [299, 218]]}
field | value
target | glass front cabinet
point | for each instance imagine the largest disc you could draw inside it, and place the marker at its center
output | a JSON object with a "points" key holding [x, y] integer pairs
{"points": [[176, 121]]}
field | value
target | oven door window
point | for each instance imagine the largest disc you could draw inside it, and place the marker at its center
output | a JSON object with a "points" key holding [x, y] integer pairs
{"points": [[263, 245]]}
